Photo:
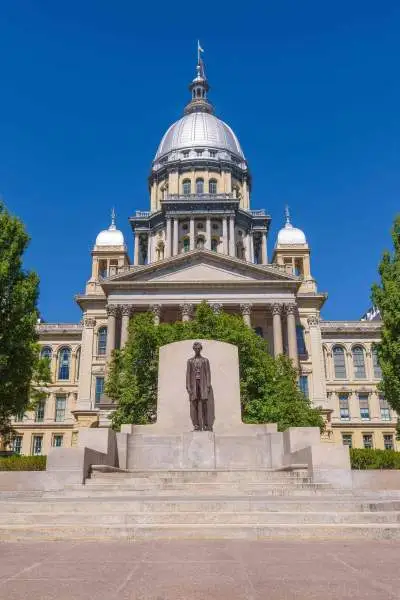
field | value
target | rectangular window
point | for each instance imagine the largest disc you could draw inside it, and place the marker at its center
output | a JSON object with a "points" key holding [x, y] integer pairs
{"points": [[364, 407], [301, 344], [61, 403], [20, 416], [385, 409], [388, 441], [99, 390], [344, 407], [347, 440], [37, 445], [375, 364], [57, 441], [303, 385], [39, 412], [17, 444], [367, 440]]}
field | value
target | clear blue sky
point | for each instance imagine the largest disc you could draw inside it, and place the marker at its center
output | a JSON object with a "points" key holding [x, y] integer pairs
{"points": [[312, 90]]}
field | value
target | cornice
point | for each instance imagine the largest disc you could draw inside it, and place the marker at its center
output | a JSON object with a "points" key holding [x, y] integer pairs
{"points": [[351, 326]]}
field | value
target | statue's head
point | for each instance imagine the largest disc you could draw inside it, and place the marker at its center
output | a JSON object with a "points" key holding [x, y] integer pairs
{"points": [[197, 347]]}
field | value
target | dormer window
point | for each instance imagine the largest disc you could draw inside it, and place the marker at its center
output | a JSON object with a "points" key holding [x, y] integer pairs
{"points": [[213, 153]]}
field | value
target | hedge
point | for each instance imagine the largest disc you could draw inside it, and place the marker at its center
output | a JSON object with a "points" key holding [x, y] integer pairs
{"points": [[368, 458], [23, 463]]}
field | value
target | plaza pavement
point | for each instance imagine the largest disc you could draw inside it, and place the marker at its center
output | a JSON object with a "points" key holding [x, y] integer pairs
{"points": [[200, 570]]}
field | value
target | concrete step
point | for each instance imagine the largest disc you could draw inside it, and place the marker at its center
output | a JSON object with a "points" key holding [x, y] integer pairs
{"points": [[174, 504], [258, 531], [198, 487], [51, 519]]}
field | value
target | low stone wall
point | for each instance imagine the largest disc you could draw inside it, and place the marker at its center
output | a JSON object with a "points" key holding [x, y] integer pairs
{"points": [[376, 480]]}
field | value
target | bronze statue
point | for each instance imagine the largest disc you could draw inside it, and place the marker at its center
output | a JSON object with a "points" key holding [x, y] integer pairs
{"points": [[198, 385]]}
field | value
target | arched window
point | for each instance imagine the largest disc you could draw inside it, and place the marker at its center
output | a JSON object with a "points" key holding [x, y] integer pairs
{"points": [[64, 362], [375, 364], [199, 186], [102, 341], [259, 331], [78, 363], [186, 244], [359, 362], [214, 245], [200, 243], [186, 187], [46, 352], [212, 186], [339, 362]]}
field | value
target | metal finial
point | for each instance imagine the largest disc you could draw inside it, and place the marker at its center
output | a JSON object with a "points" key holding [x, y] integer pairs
{"points": [[112, 226], [287, 214]]}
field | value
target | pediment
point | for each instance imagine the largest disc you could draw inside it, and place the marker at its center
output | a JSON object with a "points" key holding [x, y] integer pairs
{"points": [[201, 265]]}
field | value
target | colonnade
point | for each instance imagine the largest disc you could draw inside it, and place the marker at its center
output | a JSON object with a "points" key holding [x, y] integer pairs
{"points": [[280, 311], [171, 247]]}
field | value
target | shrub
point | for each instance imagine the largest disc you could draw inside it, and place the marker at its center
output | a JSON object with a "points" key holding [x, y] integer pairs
{"points": [[23, 463], [368, 458]]}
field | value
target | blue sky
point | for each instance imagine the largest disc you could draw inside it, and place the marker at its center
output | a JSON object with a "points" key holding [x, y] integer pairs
{"points": [[312, 90]]}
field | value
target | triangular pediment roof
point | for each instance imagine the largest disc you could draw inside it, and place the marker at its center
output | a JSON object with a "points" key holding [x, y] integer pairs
{"points": [[201, 266]]}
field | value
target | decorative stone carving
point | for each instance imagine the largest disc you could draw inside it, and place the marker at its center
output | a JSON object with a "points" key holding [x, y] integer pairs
{"points": [[126, 310], [187, 311], [277, 308], [291, 308], [313, 321], [216, 307], [112, 310], [89, 322], [246, 309], [156, 310]]}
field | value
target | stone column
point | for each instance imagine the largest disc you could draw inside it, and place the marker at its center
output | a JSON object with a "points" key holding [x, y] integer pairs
{"points": [[246, 313], [112, 310], [291, 331], [225, 235], [126, 313], [136, 252], [168, 246], [149, 248], [248, 247], [191, 233], [156, 310], [251, 248], [176, 236], [85, 375], [232, 236], [217, 307], [208, 233], [318, 391], [264, 253], [187, 312], [277, 328]]}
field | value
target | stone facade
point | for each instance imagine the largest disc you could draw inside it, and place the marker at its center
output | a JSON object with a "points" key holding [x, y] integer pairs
{"points": [[199, 241]]}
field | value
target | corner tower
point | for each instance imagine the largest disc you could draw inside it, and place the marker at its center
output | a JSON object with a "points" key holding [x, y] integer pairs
{"points": [[200, 188]]}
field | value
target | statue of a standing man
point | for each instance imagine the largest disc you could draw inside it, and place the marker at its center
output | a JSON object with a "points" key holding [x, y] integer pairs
{"points": [[198, 384]]}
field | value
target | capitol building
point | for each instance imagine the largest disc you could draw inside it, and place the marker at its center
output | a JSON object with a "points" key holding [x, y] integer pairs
{"points": [[201, 240]]}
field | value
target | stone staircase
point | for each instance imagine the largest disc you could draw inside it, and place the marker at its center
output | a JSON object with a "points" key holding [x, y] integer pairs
{"points": [[209, 504]]}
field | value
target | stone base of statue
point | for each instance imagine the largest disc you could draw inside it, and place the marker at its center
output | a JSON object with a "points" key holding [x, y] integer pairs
{"points": [[171, 443]]}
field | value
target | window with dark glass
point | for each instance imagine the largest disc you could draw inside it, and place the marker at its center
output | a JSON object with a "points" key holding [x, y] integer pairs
{"points": [[303, 385], [102, 341], [102, 268], [78, 364], [375, 364], [339, 362], [186, 186], [57, 440], [186, 244], [259, 331], [367, 440], [364, 406], [347, 440], [214, 245], [46, 352], [199, 186], [64, 359], [37, 445], [359, 362], [388, 441], [17, 444], [385, 409], [39, 411], [344, 407], [301, 343], [99, 389], [212, 186]]}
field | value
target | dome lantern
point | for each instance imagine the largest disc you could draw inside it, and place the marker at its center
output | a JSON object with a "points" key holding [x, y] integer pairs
{"points": [[289, 235], [111, 236]]}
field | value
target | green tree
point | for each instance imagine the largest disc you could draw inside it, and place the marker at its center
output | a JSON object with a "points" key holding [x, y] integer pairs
{"points": [[386, 296], [23, 375], [269, 391]]}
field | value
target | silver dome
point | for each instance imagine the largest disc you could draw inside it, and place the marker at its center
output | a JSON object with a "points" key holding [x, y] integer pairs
{"points": [[199, 130]]}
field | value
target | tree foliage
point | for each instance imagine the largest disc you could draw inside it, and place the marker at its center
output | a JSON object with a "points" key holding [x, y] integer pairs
{"points": [[23, 375], [386, 296], [269, 391]]}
